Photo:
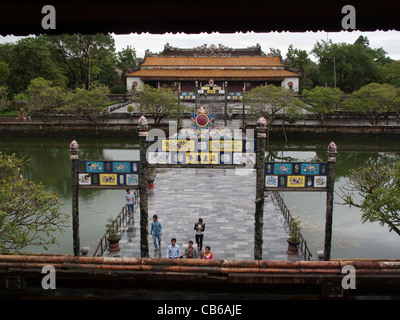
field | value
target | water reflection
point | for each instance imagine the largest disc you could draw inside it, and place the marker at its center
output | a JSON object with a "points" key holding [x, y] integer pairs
{"points": [[49, 163], [351, 238]]}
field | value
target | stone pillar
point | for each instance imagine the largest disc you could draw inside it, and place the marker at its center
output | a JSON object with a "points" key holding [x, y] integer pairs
{"points": [[332, 151], [196, 85], [244, 111], [143, 182], [73, 150], [260, 185], [225, 102]]}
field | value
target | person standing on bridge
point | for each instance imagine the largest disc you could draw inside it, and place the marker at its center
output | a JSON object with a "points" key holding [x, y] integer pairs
{"points": [[191, 252], [199, 227], [173, 250], [156, 232], [130, 201]]}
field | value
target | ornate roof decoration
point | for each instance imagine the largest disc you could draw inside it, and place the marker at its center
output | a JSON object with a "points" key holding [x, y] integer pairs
{"points": [[208, 51], [202, 120]]}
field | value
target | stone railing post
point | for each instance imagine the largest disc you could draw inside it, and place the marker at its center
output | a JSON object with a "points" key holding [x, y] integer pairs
{"points": [[143, 182], [73, 150], [260, 185], [332, 151]]}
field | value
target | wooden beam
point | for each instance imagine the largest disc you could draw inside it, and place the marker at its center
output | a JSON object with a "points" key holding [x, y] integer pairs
{"points": [[24, 17]]}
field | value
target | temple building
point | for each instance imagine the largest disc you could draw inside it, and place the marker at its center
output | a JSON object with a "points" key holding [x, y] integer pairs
{"points": [[212, 68]]}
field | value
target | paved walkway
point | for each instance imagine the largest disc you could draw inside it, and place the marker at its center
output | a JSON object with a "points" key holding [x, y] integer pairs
{"points": [[224, 198]]}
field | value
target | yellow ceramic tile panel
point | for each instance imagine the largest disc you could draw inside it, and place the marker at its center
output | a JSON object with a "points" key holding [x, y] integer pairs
{"points": [[296, 181]]}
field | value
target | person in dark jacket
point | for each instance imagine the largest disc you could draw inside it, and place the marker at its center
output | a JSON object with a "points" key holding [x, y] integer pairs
{"points": [[199, 227]]}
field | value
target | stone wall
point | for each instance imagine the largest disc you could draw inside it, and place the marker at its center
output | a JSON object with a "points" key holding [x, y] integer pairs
{"points": [[144, 278]]}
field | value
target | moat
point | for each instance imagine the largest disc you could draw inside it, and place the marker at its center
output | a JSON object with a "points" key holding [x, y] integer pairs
{"points": [[352, 239]]}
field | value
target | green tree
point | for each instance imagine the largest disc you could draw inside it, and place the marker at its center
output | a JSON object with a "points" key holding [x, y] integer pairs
{"points": [[86, 104], [127, 60], [31, 58], [4, 102], [160, 103], [377, 185], [108, 74], [44, 98], [270, 101], [29, 214], [6, 51], [322, 100], [4, 72], [352, 65], [390, 73], [82, 56], [373, 100], [299, 61]]}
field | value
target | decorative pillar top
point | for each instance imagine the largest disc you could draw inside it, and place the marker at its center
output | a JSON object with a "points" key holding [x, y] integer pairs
{"points": [[332, 148], [73, 149], [143, 125], [332, 151], [261, 127]]}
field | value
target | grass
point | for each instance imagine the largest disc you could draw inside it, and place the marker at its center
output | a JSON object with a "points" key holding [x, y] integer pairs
{"points": [[9, 113]]}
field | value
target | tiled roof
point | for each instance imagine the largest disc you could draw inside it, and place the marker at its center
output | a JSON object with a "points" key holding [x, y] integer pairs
{"points": [[217, 68], [213, 61], [215, 74]]}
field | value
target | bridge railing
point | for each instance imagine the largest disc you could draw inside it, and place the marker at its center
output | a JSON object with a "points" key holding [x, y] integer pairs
{"points": [[288, 217], [103, 243], [122, 221]]}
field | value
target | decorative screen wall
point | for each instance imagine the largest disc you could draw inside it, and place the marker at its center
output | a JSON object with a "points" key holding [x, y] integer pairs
{"points": [[297, 176], [201, 151], [108, 173]]}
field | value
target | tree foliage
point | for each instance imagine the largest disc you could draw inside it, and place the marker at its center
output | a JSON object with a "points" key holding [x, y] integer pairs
{"points": [[322, 100], [44, 98], [86, 104], [30, 58], [29, 214], [270, 101], [390, 73], [4, 72], [4, 102], [299, 61], [127, 60], [353, 65], [82, 55], [374, 100], [378, 187], [159, 103]]}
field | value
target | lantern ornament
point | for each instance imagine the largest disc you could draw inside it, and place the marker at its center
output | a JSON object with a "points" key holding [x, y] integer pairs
{"points": [[332, 151], [261, 127], [74, 149], [143, 125]]}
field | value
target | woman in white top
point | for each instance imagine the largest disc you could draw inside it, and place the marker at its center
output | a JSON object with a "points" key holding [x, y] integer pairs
{"points": [[199, 227]]}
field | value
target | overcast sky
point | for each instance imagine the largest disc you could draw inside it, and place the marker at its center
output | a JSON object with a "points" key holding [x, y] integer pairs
{"points": [[389, 41]]}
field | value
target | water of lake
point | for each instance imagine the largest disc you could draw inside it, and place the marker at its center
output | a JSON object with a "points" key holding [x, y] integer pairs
{"points": [[49, 163]]}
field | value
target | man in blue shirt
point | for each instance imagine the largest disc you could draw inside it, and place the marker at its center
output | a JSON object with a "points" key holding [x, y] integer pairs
{"points": [[156, 231], [173, 250]]}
